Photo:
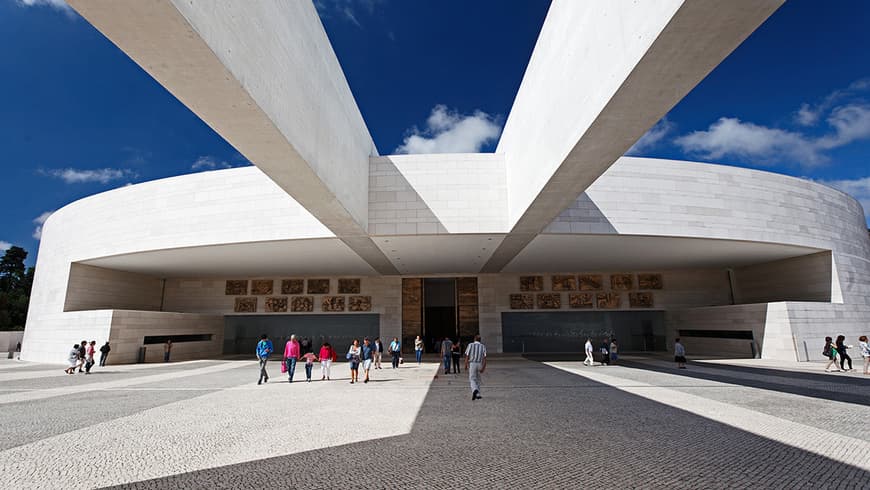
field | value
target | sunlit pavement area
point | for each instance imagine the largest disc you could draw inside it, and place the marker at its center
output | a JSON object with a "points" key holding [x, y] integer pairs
{"points": [[541, 424]]}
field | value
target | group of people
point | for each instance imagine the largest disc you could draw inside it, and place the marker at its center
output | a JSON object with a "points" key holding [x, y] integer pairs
{"points": [[368, 354], [608, 349], [837, 349], [81, 356]]}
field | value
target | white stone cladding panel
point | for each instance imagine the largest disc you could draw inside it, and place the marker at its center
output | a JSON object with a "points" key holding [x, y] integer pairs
{"points": [[9, 340], [728, 317], [96, 288], [806, 278], [129, 328], [437, 194], [51, 339]]}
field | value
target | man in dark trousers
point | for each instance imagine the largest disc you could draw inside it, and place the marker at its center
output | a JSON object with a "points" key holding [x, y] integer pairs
{"points": [[104, 353]]}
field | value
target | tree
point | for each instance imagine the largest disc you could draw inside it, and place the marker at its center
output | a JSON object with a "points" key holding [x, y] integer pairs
{"points": [[16, 281]]}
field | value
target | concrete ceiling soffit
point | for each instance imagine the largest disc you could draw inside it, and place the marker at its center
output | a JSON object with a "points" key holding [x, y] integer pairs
{"points": [[694, 41], [161, 40]]}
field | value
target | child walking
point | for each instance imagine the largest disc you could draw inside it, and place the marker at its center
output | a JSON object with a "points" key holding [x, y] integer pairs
{"points": [[309, 364]]}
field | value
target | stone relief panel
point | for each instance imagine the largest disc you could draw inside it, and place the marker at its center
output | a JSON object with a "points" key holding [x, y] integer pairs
{"points": [[318, 286], [348, 286], [359, 303], [522, 301], [581, 300], [640, 300], [236, 287], [332, 303], [302, 303], [564, 283], [246, 305], [649, 281], [293, 286], [608, 301], [276, 304], [262, 286], [591, 282], [621, 282], [531, 283], [549, 301]]}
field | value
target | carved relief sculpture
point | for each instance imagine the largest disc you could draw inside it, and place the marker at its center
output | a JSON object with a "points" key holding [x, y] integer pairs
{"points": [[640, 300], [549, 301], [591, 282], [302, 303], [237, 287], [348, 286], [262, 286], [522, 301], [581, 300], [649, 281], [621, 282], [318, 286], [245, 305], [275, 304], [531, 283], [332, 303], [564, 283], [359, 303], [608, 301], [293, 286]]}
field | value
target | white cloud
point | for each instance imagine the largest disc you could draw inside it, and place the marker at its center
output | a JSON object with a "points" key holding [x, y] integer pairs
{"points": [[39, 221], [208, 163], [810, 114], [451, 132], [80, 176], [345, 9], [857, 188], [4, 246], [652, 137], [59, 5]]}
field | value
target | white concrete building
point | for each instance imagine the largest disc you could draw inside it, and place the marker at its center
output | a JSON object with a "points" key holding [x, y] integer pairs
{"points": [[552, 238]]}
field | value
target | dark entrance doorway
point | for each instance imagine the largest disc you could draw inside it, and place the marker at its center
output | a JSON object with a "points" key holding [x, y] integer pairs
{"points": [[439, 310]]}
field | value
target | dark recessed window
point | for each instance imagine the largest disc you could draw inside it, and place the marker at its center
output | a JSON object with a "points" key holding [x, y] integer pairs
{"points": [[161, 339], [718, 334]]}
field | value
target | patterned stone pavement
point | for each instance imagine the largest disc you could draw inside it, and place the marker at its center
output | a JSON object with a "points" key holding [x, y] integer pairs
{"points": [[551, 424]]}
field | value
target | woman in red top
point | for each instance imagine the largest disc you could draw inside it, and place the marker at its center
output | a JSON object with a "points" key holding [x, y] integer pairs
{"points": [[327, 355]]}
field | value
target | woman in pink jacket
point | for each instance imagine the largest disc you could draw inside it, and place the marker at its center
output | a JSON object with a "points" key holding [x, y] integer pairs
{"points": [[291, 355]]}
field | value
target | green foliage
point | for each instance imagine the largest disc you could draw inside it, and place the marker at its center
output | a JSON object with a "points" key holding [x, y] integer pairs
{"points": [[16, 280]]}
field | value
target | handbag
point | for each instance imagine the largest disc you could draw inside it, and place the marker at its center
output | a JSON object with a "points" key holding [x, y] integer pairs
{"points": [[283, 367], [349, 356]]}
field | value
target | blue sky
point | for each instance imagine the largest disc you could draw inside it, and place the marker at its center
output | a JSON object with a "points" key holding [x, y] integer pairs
{"points": [[79, 117]]}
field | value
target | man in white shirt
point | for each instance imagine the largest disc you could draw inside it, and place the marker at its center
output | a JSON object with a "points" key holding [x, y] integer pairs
{"points": [[590, 361], [475, 364]]}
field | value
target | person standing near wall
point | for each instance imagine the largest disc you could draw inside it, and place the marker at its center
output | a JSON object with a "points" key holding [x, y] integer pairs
{"points": [[446, 349], [679, 354], [842, 349], [475, 365], [264, 350], [395, 351], [167, 350], [418, 349], [605, 352], [589, 361], [104, 353], [830, 352], [291, 355], [865, 352], [614, 350], [327, 355]]}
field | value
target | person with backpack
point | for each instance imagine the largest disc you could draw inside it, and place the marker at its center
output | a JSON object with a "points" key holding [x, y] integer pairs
{"points": [[830, 352], [264, 349], [104, 353]]}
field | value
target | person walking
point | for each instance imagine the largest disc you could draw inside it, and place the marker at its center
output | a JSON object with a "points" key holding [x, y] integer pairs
{"points": [[446, 349], [830, 352], [456, 353], [327, 355], [589, 361], [865, 352], [90, 350], [379, 349], [605, 352], [395, 351], [614, 350], [104, 353], [291, 355], [72, 359], [475, 365], [353, 355], [418, 349], [167, 349], [264, 350], [309, 365], [83, 348], [843, 349], [679, 354], [368, 352]]}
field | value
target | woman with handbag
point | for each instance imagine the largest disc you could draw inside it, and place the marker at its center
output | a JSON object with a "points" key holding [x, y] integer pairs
{"points": [[353, 355]]}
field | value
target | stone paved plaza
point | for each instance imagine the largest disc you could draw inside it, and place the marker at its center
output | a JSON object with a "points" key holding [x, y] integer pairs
{"points": [[541, 424]]}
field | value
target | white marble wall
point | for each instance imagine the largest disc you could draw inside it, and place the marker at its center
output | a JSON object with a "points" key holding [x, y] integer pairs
{"points": [[96, 288]]}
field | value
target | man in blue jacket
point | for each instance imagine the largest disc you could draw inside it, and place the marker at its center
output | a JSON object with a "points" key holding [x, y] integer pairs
{"points": [[264, 349]]}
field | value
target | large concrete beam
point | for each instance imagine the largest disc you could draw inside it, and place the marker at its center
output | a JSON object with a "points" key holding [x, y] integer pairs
{"points": [[601, 74], [263, 75]]}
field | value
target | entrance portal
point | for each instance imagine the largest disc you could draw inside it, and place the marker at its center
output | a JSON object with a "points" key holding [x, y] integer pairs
{"points": [[439, 311], [438, 307]]}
